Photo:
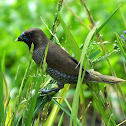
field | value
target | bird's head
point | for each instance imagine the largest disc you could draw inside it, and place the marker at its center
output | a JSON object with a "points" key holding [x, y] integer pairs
{"points": [[33, 35]]}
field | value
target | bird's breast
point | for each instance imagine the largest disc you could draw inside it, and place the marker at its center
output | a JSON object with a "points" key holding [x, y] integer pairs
{"points": [[38, 55]]}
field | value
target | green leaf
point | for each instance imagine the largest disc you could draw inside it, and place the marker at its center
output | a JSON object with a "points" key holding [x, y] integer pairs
{"points": [[2, 121], [107, 20], [32, 101], [40, 103], [31, 105], [80, 78], [55, 109], [100, 102], [37, 122], [65, 111], [94, 54], [70, 38], [120, 45], [24, 80], [3, 62], [61, 120], [67, 103]]}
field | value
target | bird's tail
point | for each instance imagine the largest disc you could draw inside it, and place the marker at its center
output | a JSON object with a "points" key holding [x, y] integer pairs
{"points": [[98, 77]]}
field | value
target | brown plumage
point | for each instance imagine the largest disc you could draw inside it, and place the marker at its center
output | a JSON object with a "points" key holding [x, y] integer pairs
{"points": [[60, 65]]}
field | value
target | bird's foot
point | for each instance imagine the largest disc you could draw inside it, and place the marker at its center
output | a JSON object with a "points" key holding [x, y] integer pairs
{"points": [[48, 91], [43, 91]]}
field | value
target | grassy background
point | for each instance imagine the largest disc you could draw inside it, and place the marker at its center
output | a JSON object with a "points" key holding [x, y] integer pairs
{"points": [[17, 16]]}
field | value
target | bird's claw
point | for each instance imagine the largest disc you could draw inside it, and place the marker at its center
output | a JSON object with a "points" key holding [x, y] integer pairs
{"points": [[44, 91], [48, 91]]}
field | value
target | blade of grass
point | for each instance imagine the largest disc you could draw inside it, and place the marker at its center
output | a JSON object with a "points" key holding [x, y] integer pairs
{"points": [[70, 38], [77, 91], [94, 54], [37, 122], [32, 101], [107, 20], [121, 123], [24, 80], [41, 101], [8, 112], [3, 62], [2, 120], [123, 17], [100, 102], [83, 109], [118, 86], [120, 45], [55, 110], [75, 15], [67, 103], [31, 104], [65, 111], [61, 120], [17, 121]]}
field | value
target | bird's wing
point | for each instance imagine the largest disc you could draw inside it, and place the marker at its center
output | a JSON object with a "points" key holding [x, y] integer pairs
{"points": [[59, 59]]}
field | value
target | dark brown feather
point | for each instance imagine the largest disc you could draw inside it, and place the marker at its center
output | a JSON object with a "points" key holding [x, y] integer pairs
{"points": [[59, 59]]}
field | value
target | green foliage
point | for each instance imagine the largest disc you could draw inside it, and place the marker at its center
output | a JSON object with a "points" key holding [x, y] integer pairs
{"points": [[17, 74], [70, 38], [121, 44], [80, 79], [2, 118]]}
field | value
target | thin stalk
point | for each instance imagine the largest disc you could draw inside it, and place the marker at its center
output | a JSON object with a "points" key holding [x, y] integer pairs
{"points": [[76, 16], [56, 21]]}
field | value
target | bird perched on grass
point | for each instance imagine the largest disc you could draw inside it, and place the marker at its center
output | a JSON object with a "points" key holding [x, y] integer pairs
{"points": [[60, 65]]}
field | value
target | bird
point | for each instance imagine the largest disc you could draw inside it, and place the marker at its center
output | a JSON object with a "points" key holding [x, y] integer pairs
{"points": [[61, 66]]}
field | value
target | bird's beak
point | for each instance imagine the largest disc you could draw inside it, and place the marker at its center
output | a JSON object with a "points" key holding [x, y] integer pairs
{"points": [[21, 37], [16, 39]]}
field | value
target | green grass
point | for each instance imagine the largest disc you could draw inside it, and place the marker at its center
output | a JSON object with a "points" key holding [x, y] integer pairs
{"points": [[2, 114], [29, 105]]}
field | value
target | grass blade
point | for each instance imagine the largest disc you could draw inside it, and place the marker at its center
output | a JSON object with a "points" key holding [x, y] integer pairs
{"points": [[94, 54], [70, 38], [107, 115], [120, 45], [24, 80], [61, 120], [107, 20], [55, 110], [32, 101], [66, 111], [77, 92], [31, 105], [2, 121]]}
